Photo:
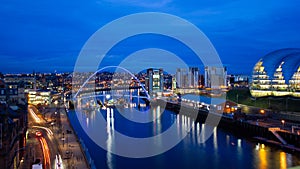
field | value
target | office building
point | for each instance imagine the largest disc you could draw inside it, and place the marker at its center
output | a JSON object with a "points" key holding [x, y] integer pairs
{"points": [[154, 81]]}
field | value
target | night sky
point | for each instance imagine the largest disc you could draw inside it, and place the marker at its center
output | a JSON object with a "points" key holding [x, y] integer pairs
{"points": [[48, 35]]}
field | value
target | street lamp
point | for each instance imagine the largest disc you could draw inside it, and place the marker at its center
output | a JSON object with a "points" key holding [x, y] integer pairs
{"points": [[282, 122], [52, 124]]}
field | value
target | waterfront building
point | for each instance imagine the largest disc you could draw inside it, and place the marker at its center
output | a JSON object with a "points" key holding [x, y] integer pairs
{"points": [[187, 79], [181, 78], [277, 74], [193, 77], [155, 81], [215, 77]]}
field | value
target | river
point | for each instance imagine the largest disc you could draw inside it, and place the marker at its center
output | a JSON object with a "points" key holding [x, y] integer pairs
{"points": [[221, 150]]}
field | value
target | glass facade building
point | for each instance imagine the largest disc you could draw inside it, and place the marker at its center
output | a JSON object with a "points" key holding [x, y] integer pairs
{"points": [[277, 74]]}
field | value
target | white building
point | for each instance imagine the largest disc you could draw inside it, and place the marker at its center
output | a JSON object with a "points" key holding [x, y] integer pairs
{"points": [[215, 77], [187, 79], [193, 77]]}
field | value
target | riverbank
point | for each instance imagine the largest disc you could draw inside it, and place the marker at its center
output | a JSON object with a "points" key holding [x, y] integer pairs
{"points": [[246, 128], [87, 157], [71, 150], [275, 104], [223, 148]]}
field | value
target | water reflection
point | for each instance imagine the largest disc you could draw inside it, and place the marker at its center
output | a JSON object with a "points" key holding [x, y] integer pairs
{"points": [[156, 121], [198, 133], [282, 160], [227, 140], [239, 143], [262, 154], [110, 137], [222, 149], [267, 158], [202, 132], [215, 139], [289, 160]]}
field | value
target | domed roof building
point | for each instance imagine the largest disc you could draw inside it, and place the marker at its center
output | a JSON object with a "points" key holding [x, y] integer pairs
{"points": [[277, 74]]}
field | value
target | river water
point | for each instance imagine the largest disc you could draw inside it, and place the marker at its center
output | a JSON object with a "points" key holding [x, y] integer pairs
{"points": [[221, 150]]}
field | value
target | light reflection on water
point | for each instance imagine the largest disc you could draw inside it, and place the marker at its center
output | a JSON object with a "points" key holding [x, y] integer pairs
{"points": [[263, 154], [110, 137], [221, 150], [283, 161], [266, 157]]}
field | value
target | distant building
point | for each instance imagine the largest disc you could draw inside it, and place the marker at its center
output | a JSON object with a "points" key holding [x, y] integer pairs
{"points": [[3, 96], [215, 77], [201, 81], [154, 81], [36, 97], [181, 78], [12, 93], [238, 80], [193, 77], [187, 79], [174, 83], [21, 79]]}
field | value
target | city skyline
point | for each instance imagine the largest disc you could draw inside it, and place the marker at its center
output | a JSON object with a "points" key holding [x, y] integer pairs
{"points": [[46, 36], [149, 84]]}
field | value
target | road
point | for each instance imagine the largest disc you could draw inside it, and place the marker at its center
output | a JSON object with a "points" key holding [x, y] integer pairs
{"points": [[48, 144]]}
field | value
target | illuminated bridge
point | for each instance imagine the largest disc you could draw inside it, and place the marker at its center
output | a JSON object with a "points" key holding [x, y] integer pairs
{"points": [[88, 93]]}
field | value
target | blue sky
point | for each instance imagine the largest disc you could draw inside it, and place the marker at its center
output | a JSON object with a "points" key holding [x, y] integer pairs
{"points": [[47, 35]]}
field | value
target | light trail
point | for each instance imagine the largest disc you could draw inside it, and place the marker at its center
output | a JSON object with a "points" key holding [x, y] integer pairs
{"points": [[35, 117], [49, 131], [46, 152]]}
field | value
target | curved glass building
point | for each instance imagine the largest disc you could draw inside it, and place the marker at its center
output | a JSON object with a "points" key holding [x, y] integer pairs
{"points": [[277, 74]]}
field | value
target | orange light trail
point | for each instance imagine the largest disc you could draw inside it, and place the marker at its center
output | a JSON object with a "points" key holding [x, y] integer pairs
{"points": [[46, 152]]}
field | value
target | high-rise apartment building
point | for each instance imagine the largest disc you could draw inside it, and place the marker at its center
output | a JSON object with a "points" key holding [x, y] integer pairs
{"points": [[215, 77], [187, 79]]}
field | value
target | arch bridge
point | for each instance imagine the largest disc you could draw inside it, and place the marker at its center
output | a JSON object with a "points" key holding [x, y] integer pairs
{"points": [[113, 92]]}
